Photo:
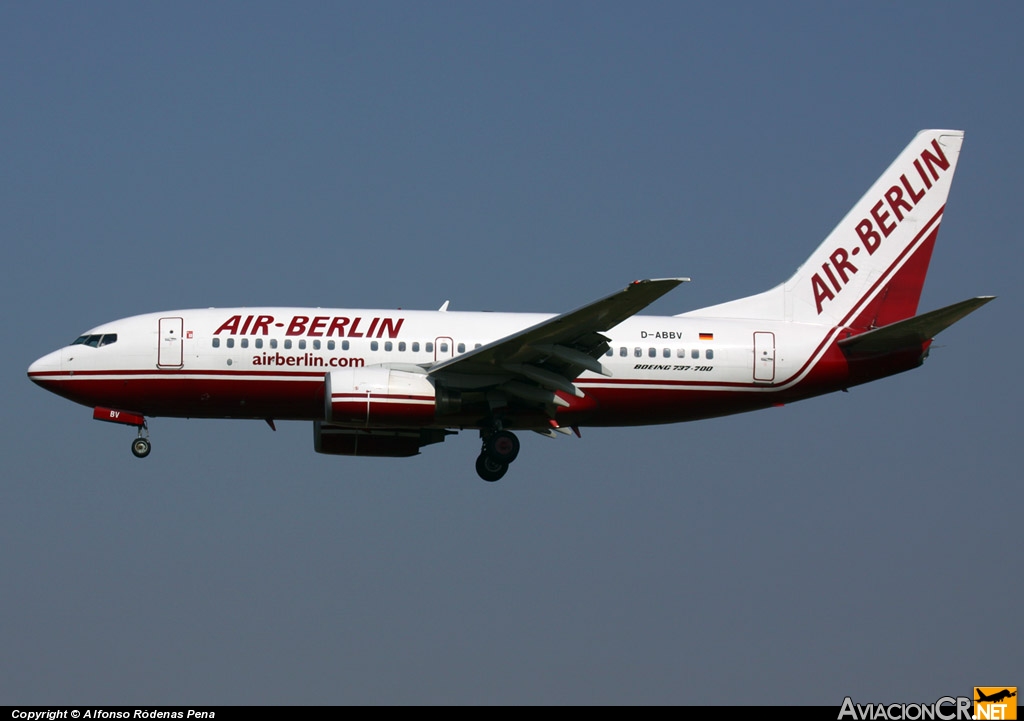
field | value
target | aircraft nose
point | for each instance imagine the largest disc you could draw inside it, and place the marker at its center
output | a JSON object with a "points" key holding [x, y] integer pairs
{"points": [[48, 364]]}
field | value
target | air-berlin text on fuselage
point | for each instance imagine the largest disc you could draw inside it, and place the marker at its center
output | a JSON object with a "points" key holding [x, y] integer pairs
{"points": [[883, 218], [317, 326]]}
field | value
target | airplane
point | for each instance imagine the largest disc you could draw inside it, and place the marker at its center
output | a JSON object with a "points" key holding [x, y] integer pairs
{"points": [[390, 382], [996, 697]]}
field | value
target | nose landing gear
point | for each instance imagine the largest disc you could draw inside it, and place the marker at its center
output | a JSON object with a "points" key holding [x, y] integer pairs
{"points": [[141, 445]]}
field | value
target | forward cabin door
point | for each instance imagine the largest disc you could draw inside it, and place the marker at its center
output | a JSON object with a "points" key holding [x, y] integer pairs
{"points": [[764, 357], [170, 353]]}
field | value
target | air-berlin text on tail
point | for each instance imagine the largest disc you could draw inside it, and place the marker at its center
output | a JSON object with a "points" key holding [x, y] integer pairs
{"points": [[318, 326], [883, 218]]}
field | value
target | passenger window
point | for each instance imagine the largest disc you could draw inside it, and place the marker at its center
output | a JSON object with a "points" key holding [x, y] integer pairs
{"points": [[302, 344], [695, 353], [287, 343], [429, 347], [681, 353], [330, 345], [231, 342], [316, 345], [216, 342], [401, 346], [388, 346], [667, 353], [273, 342], [259, 343], [374, 345], [444, 348], [610, 352], [415, 346], [245, 343], [652, 352], [709, 354], [344, 345], [638, 352], [622, 352], [462, 347]]}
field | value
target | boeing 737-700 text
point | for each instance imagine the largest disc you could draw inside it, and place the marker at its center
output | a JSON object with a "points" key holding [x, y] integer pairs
{"points": [[389, 382]]}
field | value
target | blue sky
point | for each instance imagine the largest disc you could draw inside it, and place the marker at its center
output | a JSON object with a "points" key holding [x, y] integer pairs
{"points": [[517, 156]]}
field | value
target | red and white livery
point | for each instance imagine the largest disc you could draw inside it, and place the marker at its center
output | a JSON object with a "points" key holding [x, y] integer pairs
{"points": [[388, 382]]}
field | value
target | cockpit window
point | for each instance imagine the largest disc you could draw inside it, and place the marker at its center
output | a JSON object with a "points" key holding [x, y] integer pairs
{"points": [[96, 340]]}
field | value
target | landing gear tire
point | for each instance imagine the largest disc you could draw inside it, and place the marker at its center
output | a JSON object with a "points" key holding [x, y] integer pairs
{"points": [[502, 447], [489, 469], [140, 447]]}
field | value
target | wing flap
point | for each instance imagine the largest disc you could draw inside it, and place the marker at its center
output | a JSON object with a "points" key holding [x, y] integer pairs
{"points": [[565, 335], [532, 365]]}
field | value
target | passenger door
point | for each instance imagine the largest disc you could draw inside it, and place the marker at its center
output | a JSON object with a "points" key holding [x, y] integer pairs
{"points": [[170, 352]]}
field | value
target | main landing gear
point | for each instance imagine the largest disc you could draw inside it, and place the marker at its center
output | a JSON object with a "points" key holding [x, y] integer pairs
{"points": [[499, 449]]}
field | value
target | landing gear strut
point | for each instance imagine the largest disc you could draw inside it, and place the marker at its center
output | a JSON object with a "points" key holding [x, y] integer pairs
{"points": [[499, 449], [140, 446]]}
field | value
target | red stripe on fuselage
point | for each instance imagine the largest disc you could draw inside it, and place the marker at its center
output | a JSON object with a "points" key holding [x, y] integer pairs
{"points": [[171, 394], [608, 402]]}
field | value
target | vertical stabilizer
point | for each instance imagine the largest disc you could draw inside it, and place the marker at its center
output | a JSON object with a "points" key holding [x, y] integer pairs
{"points": [[870, 269]]}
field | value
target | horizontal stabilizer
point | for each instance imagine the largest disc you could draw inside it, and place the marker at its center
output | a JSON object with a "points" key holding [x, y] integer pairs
{"points": [[912, 331]]}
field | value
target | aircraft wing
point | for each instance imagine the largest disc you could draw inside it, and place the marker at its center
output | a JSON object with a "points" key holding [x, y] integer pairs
{"points": [[911, 331], [535, 362]]}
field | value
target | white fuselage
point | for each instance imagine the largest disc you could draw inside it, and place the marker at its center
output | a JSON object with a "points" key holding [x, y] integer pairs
{"points": [[271, 362]]}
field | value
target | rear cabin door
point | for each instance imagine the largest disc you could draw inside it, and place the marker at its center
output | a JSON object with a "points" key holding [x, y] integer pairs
{"points": [[170, 352], [764, 357]]}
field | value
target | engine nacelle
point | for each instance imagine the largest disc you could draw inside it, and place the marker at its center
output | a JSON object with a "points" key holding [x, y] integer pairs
{"points": [[377, 397], [396, 443]]}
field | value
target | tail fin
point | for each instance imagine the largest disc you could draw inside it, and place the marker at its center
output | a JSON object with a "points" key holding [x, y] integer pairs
{"points": [[870, 270]]}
